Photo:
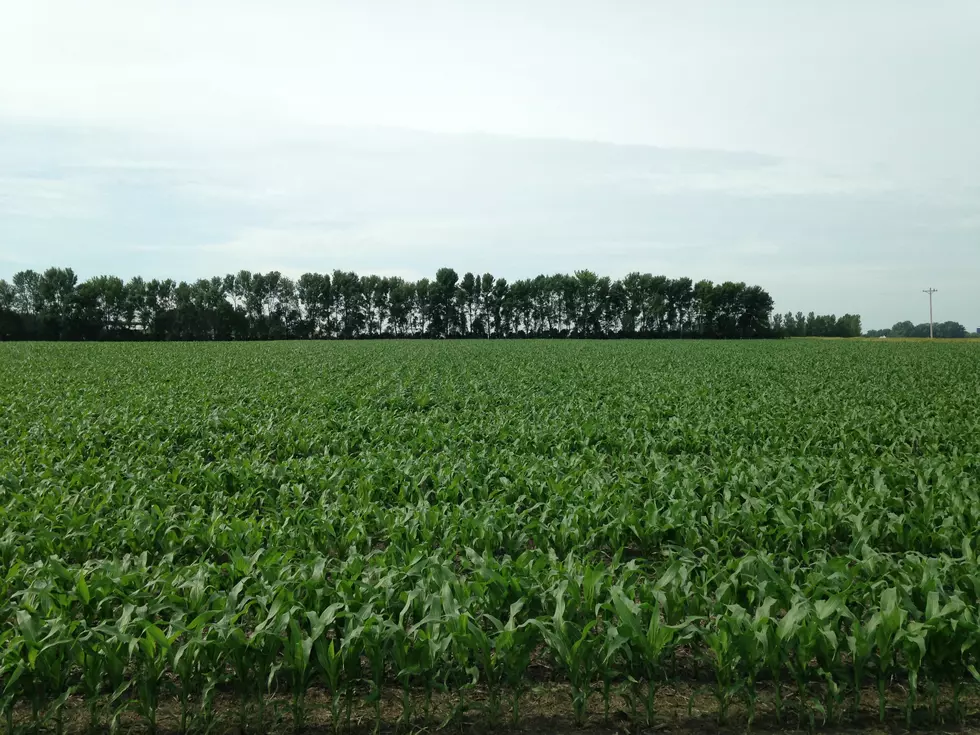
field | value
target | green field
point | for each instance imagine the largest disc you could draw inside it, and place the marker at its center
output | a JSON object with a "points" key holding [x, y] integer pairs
{"points": [[418, 533]]}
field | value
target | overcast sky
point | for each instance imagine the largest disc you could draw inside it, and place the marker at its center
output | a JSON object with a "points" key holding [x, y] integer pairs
{"points": [[828, 150]]}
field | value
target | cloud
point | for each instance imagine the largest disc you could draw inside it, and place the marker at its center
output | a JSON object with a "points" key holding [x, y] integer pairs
{"points": [[37, 197], [406, 203]]}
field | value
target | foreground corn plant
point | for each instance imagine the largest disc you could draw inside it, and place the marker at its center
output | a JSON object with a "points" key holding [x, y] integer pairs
{"points": [[575, 647], [647, 642]]}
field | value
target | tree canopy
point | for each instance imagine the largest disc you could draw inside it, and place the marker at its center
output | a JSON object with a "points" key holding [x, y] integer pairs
{"points": [[815, 325], [943, 330], [343, 305]]}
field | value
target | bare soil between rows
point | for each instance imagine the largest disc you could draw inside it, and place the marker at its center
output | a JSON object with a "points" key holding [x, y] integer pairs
{"points": [[546, 710]]}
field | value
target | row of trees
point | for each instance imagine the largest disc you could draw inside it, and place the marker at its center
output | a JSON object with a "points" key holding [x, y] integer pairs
{"points": [[816, 325], [55, 305], [945, 330]]}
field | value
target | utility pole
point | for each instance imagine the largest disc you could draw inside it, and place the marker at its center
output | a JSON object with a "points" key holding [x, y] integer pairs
{"points": [[930, 291]]}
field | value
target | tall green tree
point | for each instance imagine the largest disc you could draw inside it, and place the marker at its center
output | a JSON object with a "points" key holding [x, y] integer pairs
{"points": [[314, 293], [443, 319], [349, 303], [247, 305]]}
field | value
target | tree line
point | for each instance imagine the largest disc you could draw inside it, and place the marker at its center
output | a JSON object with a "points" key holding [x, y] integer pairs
{"points": [[816, 325], [54, 305], [944, 330]]}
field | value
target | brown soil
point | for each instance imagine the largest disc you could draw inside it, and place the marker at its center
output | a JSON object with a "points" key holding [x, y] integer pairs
{"points": [[546, 710]]}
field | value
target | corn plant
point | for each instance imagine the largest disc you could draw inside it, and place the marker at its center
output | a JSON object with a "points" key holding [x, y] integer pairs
{"points": [[750, 634], [375, 643], [12, 668], [725, 657], [196, 661], [648, 640], [860, 645], [433, 642], [48, 654], [886, 626], [91, 661], [575, 648], [150, 652]]}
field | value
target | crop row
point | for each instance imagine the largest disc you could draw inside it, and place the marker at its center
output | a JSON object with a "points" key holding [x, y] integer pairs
{"points": [[262, 622]]}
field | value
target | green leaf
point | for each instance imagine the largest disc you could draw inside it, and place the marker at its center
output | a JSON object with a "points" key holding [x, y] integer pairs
{"points": [[790, 622], [82, 588]]}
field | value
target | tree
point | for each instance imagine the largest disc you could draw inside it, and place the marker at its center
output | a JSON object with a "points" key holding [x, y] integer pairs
{"points": [[800, 324], [443, 319], [314, 295], [349, 304], [680, 296], [486, 294], [496, 316], [11, 323], [756, 306], [467, 297], [56, 291], [950, 330], [8, 295], [111, 303], [789, 324], [705, 308], [902, 329], [27, 289], [519, 306], [849, 325], [401, 306], [246, 305], [587, 305]]}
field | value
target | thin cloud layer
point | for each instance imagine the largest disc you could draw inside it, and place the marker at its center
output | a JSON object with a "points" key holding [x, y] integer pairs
{"points": [[825, 150]]}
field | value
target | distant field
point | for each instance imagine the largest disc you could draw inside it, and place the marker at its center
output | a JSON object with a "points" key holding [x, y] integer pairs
{"points": [[965, 340], [274, 534]]}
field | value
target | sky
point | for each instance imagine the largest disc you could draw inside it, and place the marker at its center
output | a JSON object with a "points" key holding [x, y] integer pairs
{"points": [[826, 150]]}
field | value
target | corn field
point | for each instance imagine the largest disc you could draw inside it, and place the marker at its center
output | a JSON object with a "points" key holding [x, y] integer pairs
{"points": [[430, 522]]}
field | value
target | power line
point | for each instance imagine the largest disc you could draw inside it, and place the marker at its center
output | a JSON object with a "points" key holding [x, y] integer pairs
{"points": [[930, 291]]}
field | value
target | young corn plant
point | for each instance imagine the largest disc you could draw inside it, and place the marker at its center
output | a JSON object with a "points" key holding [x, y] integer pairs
{"points": [[312, 636], [91, 662], [234, 642], [47, 654], [296, 659], [406, 655], [720, 639], [150, 652], [751, 637], [615, 648], [795, 648], [650, 642], [434, 643], [885, 626], [474, 649], [574, 647], [376, 643], [196, 659], [112, 648], [351, 654], [825, 630], [337, 657], [12, 669], [951, 630], [501, 653], [813, 632], [912, 642], [860, 646], [265, 654]]}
